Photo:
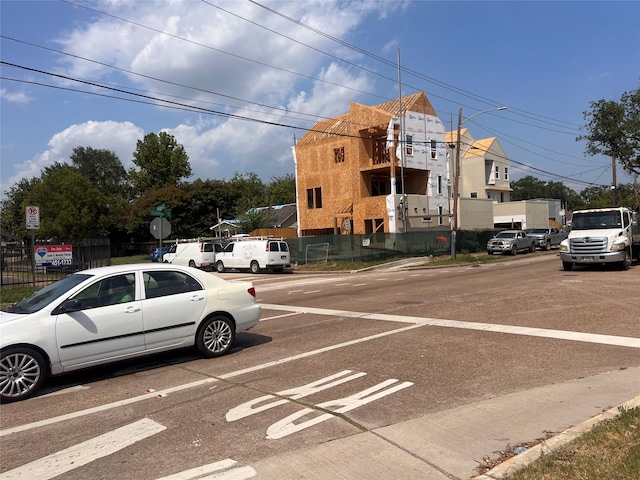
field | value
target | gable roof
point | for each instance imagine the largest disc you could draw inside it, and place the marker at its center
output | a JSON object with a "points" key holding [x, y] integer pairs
{"points": [[342, 124]]}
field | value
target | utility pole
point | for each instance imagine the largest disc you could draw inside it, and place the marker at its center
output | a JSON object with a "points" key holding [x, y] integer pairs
{"points": [[614, 183]]}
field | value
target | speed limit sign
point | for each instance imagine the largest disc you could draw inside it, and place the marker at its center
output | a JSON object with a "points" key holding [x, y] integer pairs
{"points": [[33, 217]]}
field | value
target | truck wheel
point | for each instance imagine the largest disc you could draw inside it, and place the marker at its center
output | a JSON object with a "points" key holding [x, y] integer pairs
{"points": [[254, 267], [514, 250], [568, 266], [547, 247], [532, 248], [626, 263], [489, 252], [220, 267]]}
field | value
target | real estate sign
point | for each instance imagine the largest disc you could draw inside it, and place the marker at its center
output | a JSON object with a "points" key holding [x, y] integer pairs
{"points": [[53, 255]]}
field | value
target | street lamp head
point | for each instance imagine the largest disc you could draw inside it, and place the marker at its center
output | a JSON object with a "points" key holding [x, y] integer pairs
{"points": [[502, 108]]}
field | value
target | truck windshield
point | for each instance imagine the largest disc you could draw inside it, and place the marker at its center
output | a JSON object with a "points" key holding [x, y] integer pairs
{"points": [[596, 220]]}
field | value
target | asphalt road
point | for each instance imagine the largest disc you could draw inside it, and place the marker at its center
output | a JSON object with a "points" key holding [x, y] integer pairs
{"points": [[416, 373]]}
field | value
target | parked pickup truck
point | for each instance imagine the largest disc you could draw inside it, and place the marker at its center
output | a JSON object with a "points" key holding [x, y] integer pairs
{"points": [[547, 237], [511, 241]]}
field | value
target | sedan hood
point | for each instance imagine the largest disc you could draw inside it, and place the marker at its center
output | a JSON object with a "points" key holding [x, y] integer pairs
{"points": [[9, 317]]}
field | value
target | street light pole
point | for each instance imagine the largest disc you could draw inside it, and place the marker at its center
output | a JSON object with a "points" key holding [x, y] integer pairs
{"points": [[456, 177]]}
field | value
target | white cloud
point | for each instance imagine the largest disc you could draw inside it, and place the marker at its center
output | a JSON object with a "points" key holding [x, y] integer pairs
{"points": [[118, 137], [14, 97]]}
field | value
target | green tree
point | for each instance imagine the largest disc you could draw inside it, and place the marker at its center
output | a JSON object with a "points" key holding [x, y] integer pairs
{"points": [[71, 207], [254, 218], [12, 212], [614, 130], [161, 162], [530, 187], [600, 197], [282, 190], [105, 171], [250, 192]]}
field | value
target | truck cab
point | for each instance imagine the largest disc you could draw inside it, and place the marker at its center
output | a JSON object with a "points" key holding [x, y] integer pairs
{"points": [[600, 236]]}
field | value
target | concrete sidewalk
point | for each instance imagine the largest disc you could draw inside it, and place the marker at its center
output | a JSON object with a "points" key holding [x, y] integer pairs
{"points": [[451, 444]]}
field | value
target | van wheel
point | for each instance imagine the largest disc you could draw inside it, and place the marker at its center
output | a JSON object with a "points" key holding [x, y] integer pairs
{"points": [[254, 267], [215, 336], [192, 263], [220, 267]]}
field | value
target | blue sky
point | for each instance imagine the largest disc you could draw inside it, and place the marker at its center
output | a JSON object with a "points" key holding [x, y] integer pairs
{"points": [[217, 60]]}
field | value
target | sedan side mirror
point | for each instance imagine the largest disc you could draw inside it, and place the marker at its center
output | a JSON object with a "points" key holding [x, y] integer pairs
{"points": [[68, 306]]}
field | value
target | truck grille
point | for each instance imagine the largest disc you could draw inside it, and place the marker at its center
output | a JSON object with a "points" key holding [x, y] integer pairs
{"points": [[589, 245]]}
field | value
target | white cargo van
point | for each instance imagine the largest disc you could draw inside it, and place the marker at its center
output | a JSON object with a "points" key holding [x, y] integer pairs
{"points": [[255, 255], [198, 254]]}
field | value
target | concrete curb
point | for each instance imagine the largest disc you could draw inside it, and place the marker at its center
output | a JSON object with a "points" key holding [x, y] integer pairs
{"points": [[509, 467]]}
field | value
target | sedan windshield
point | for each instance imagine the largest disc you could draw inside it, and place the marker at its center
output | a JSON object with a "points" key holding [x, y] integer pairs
{"points": [[40, 299]]}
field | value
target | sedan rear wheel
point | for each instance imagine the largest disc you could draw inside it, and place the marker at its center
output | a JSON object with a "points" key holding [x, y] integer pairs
{"points": [[22, 372], [215, 336]]}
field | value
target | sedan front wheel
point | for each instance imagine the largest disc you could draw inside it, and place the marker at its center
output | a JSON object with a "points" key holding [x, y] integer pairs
{"points": [[215, 336], [22, 372]]}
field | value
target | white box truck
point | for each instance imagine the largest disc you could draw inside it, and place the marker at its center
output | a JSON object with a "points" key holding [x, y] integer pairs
{"points": [[601, 236]]}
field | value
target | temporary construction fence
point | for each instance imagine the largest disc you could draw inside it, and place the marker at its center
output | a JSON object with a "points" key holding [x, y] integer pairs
{"points": [[19, 267], [382, 246]]}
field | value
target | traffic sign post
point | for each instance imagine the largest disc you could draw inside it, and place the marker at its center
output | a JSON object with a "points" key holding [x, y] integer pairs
{"points": [[160, 227], [32, 217]]}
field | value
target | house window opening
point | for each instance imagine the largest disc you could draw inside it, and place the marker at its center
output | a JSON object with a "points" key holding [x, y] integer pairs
{"points": [[434, 150], [338, 155], [314, 198], [497, 172], [409, 144]]}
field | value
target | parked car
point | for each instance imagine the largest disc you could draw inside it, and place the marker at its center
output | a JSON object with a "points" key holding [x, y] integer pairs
{"points": [[510, 241], [105, 314], [254, 255], [547, 237], [193, 254], [157, 254]]}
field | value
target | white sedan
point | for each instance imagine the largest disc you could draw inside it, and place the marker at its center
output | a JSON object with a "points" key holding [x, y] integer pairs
{"points": [[114, 313]]}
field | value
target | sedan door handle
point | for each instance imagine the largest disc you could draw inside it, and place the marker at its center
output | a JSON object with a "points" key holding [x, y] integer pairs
{"points": [[197, 298], [132, 309]]}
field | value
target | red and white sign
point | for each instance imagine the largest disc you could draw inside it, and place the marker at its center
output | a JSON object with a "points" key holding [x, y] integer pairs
{"points": [[53, 255], [33, 217]]}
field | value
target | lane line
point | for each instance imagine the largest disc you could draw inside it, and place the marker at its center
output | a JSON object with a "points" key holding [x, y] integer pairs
{"points": [[598, 338], [161, 393], [83, 453], [414, 322]]}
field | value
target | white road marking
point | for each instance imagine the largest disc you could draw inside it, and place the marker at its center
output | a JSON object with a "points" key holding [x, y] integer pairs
{"points": [[601, 339], [415, 322], [287, 425], [101, 408], [359, 284], [280, 316], [86, 452], [312, 291], [248, 408], [240, 473]]}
